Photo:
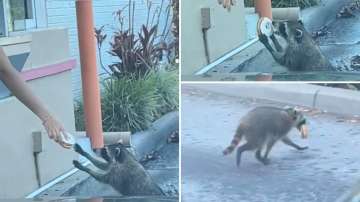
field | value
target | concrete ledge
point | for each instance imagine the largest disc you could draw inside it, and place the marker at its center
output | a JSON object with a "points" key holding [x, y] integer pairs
{"points": [[145, 142], [334, 100]]}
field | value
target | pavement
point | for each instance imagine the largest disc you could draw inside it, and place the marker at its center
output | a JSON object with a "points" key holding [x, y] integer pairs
{"points": [[340, 45], [342, 41], [320, 174]]}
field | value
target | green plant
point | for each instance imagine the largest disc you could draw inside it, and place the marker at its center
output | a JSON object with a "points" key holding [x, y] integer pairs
{"points": [[79, 115], [287, 3], [138, 52], [166, 85], [138, 89], [128, 103]]}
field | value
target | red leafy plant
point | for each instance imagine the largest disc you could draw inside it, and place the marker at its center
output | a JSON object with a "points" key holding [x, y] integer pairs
{"points": [[139, 52]]}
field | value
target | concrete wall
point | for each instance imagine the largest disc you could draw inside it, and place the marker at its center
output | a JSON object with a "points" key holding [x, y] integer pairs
{"points": [[228, 31], [17, 123]]}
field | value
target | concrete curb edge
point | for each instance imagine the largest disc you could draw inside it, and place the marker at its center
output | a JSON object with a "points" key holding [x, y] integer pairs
{"points": [[329, 99]]}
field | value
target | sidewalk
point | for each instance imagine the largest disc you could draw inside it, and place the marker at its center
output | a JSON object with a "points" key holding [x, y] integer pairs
{"points": [[329, 99]]}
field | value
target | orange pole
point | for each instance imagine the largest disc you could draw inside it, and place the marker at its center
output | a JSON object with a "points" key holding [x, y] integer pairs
{"points": [[263, 7], [89, 75]]}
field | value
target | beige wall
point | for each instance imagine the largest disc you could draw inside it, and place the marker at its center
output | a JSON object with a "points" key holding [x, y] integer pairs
{"points": [[17, 170], [228, 31], [52, 44]]}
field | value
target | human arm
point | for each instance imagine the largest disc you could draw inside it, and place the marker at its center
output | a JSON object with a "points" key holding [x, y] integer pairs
{"points": [[22, 91]]}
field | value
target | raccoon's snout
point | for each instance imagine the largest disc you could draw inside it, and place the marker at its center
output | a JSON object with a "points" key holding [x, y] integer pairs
{"points": [[301, 123], [298, 33]]}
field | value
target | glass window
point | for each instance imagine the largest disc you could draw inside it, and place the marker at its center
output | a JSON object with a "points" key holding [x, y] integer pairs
{"points": [[2, 20], [19, 14]]}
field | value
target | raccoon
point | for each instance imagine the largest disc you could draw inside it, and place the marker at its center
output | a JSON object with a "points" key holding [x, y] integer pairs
{"points": [[293, 47], [120, 170], [264, 126]]}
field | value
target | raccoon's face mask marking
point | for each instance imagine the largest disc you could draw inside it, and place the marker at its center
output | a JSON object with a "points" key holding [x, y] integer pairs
{"points": [[297, 116], [289, 31], [299, 121], [117, 152], [285, 34]]}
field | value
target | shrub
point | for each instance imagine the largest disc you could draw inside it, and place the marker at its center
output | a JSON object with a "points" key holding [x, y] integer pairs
{"points": [[79, 116], [137, 89], [130, 104], [166, 85]]}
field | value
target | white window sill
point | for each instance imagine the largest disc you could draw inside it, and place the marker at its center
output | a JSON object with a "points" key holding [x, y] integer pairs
{"points": [[25, 37]]}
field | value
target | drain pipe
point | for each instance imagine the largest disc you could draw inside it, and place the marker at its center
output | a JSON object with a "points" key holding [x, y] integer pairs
{"points": [[205, 26], [89, 75], [263, 8]]}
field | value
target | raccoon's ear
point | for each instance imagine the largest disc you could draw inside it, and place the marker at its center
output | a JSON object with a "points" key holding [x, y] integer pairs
{"points": [[291, 111], [288, 108]]}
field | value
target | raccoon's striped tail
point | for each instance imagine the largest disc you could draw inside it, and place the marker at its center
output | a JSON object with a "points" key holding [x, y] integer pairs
{"points": [[235, 141]]}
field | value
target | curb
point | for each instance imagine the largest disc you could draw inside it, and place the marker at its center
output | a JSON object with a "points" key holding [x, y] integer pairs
{"points": [[323, 14], [329, 99]]}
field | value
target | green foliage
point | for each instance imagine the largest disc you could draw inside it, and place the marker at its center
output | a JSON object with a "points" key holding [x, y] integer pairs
{"points": [[287, 3], [166, 84], [138, 89], [132, 103], [79, 116], [139, 51], [128, 103]]}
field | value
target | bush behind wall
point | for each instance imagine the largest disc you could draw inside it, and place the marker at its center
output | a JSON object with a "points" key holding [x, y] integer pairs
{"points": [[131, 103]]}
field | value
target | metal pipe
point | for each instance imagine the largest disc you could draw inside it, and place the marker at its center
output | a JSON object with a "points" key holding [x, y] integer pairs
{"points": [[89, 75], [263, 8], [206, 45]]}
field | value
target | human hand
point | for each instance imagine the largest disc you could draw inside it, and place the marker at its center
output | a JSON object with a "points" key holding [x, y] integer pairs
{"points": [[227, 3], [56, 132]]}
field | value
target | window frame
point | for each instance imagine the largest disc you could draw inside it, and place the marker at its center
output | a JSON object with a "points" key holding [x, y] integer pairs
{"points": [[38, 14]]}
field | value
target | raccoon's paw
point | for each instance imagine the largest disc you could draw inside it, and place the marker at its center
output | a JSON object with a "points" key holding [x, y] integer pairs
{"points": [[303, 148], [225, 152], [263, 38], [78, 148], [77, 164], [266, 162]]}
